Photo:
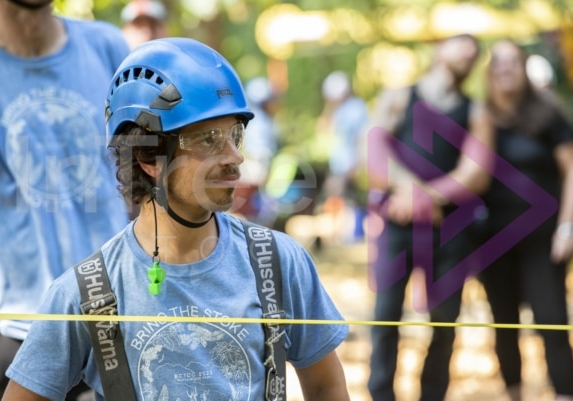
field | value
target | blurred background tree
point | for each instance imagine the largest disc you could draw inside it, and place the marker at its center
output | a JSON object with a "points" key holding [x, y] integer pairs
{"points": [[379, 43]]}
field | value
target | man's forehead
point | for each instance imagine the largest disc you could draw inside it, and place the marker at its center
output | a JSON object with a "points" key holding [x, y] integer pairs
{"points": [[218, 122]]}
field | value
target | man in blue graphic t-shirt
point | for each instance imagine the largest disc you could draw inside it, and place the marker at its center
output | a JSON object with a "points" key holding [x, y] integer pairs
{"points": [[176, 115]]}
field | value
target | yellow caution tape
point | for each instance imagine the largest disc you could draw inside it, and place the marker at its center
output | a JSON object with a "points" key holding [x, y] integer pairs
{"points": [[196, 319]]}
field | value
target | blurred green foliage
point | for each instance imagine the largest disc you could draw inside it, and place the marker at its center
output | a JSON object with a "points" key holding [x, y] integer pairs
{"points": [[229, 27]]}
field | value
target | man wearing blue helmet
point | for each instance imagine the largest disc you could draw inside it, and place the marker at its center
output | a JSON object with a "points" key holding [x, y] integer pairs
{"points": [[176, 116]]}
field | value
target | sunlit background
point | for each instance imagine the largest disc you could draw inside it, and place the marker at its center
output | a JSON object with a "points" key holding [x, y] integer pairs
{"points": [[380, 44]]}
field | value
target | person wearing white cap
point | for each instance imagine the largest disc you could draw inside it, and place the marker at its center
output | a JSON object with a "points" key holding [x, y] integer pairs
{"points": [[260, 149], [344, 119], [144, 20]]}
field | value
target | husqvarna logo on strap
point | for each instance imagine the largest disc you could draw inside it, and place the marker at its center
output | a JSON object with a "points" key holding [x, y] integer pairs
{"points": [[92, 280], [262, 252], [90, 267], [99, 302], [259, 234]]}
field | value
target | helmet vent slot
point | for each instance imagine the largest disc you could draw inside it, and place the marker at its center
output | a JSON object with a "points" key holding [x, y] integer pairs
{"points": [[116, 84], [135, 73]]}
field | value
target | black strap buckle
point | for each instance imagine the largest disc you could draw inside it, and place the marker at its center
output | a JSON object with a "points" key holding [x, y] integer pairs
{"points": [[105, 304], [274, 387]]}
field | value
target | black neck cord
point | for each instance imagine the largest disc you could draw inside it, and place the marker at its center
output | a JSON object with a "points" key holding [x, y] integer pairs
{"points": [[156, 251], [187, 223], [155, 273]]}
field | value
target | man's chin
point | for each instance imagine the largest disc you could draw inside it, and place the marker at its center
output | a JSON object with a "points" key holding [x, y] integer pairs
{"points": [[221, 208], [221, 203]]}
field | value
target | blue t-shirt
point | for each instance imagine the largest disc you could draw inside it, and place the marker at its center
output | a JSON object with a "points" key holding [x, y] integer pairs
{"points": [[58, 191], [532, 156], [172, 360], [349, 123]]}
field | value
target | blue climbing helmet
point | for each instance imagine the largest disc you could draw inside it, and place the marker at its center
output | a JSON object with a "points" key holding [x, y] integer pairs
{"points": [[166, 84]]}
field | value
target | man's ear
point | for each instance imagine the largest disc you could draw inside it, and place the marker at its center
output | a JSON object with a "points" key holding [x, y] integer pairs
{"points": [[151, 170]]}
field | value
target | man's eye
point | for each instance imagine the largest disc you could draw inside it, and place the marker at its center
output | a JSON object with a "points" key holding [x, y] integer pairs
{"points": [[207, 138]]}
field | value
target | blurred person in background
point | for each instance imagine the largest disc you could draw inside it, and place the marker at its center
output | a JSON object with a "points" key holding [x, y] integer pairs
{"points": [[58, 197], [144, 20], [260, 147], [343, 120], [540, 72], [438, 93], [534, 136]]}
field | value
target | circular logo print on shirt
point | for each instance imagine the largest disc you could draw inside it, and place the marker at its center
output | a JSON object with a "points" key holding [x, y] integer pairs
{"points": [[194, 362], [53, 145]]}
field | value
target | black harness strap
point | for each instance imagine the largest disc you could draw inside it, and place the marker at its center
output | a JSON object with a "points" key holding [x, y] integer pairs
{"points": [[107, 341], [265, 261]]}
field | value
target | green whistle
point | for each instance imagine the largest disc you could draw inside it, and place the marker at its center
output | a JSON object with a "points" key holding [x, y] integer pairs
{"points": [[156, 275]]}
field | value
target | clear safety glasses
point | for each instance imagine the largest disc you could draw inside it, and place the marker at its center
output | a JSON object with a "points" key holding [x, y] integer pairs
{"points": [[212, 141]]}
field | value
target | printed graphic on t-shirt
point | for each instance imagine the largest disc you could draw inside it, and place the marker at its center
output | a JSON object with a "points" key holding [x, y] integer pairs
{"points": [[193, 361], [53, 146]]}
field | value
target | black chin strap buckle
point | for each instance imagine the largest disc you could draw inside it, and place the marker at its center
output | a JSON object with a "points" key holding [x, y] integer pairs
{"points": [[158, 194]]}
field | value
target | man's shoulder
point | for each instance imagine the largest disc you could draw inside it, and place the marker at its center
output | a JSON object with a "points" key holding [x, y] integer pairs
{"points": [[113, 248], [396, 92], [390, 106], [284, 241], [92, 26], [395, 98], [95, 32]]}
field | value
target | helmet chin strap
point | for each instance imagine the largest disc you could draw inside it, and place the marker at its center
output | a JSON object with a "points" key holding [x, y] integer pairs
{"points": [[159, 193]]}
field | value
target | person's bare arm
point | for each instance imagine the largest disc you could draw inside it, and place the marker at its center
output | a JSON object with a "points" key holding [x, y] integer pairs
{"points": [[387, 115], [324, 380], [471, 176], [475, 164], [562, 246], [15, 392], [388, 111], [386, 174]]}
